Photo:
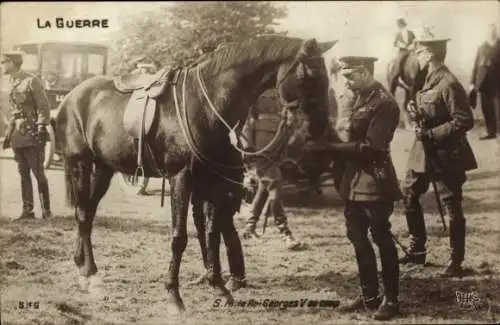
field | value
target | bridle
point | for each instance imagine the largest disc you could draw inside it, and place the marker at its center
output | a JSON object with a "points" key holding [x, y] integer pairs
{"points": [[181, 111]]}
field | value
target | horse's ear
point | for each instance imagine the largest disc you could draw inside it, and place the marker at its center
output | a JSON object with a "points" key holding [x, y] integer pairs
{"points": [[325, 46]]}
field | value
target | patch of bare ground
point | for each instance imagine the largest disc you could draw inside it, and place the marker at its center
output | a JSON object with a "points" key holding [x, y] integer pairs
{"points": [[132, 249]]}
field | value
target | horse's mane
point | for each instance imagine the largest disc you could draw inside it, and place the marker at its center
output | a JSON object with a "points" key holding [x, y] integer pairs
{"points": [[262, 48]]}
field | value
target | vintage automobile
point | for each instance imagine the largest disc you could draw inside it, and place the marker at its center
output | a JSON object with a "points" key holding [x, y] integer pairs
{"points": [[60, 66]]}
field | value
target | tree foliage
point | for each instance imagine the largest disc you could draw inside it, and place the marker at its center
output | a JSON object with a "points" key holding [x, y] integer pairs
{"points": [[173, 35]]}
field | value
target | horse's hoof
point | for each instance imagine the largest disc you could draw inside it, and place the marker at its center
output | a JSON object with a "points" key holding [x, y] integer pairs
{"points": [[175, 305], [96, 287], [225, 295], [202, 279], [83, 283]]}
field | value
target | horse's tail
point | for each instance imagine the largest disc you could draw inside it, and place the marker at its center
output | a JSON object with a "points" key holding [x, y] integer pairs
{"points": [[61, 120], [68, 179], [71, 135]]}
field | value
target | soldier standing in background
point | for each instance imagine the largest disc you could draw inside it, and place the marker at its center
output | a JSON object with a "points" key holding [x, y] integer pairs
{"points": [[440, 153], [485, 79], [27, 131], [268, 198]]}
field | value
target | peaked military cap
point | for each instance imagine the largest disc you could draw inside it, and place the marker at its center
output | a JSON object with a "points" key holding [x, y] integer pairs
{"points": [[14, 56], [350, 64]]}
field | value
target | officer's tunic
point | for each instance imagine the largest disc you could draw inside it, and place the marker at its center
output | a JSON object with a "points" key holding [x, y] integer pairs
{"points": [[374, 118], [447, 116], [29, 107]]}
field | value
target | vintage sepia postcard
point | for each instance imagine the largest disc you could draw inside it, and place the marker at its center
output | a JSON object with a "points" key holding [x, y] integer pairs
{"points": [[249, 162]]}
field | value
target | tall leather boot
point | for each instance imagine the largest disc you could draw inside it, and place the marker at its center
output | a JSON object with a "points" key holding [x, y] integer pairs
{"points": [[457, 238], [26, 194], [255, 211], [43, 191], [416, 229]]}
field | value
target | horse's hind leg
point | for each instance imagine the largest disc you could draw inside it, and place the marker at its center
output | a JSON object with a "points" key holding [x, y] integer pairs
{"points": [[199, 223], [180, 190], [100, 182], [80, 167]]}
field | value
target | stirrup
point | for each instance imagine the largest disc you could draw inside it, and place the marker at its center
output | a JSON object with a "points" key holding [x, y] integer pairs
{"points": [[135, 178]]}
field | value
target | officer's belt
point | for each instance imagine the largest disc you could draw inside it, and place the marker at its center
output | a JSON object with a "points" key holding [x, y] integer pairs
{"points": [[19, 115]]}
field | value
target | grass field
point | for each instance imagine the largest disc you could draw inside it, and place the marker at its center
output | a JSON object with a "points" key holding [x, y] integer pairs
{"points": [[132, 249]]}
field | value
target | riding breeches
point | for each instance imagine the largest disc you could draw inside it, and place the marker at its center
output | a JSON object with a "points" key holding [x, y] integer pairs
{"points": [[361, 216], [268, 197], [31, 159], [449, 187]]}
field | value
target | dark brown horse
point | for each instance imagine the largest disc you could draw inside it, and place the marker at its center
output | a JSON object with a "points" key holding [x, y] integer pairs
{"points": [[410, 79], [189, 141]]}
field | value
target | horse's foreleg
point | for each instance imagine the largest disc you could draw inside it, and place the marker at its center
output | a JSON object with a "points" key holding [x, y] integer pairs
{"points": [[180, 191], [199, 223], [214, 227]]}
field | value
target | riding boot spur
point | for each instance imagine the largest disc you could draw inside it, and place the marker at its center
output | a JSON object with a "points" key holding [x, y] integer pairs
{"points": [[457, 237], [416, 229]]}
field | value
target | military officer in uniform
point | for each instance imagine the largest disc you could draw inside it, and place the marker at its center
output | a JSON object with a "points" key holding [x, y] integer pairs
{"points": [[369, 186], [440, 152], [27, 132], [485, 79]]}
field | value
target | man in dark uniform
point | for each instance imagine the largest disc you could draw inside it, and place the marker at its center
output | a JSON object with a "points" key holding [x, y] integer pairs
{"points": [[369, 186], [440, 151], [485, 79], [403, 42], [27, 132], [268, 198]]}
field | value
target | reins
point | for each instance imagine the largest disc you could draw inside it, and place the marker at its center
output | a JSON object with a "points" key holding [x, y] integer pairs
{"points": [[182, 116], [181, 111]]}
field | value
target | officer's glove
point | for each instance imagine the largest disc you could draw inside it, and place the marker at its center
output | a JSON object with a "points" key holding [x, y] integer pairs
{"points": [[43, 133], [411, 107], [422, 135]]}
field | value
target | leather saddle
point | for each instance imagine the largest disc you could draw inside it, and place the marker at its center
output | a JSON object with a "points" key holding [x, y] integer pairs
{"points": [[142, 106], [154, 84]]}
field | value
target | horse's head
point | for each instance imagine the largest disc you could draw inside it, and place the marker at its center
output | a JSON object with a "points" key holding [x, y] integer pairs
{"points": [[303, 84]]}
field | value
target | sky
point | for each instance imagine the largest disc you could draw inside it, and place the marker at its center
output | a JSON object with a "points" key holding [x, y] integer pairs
{"points": [[362, 28]]}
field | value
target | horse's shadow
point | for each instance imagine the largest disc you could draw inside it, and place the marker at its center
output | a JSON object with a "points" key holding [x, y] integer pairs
{"points": [[328, 281], [109, 223], [432, 296], [474, 176]]}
